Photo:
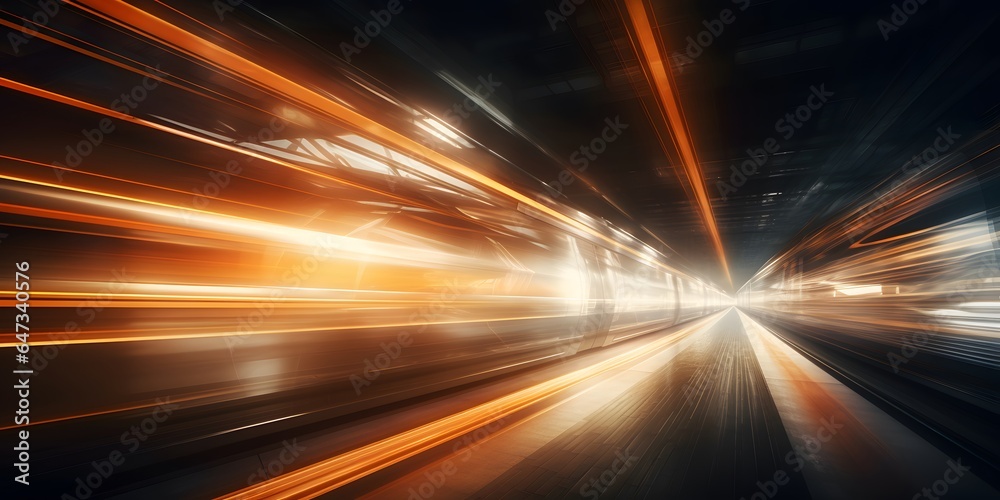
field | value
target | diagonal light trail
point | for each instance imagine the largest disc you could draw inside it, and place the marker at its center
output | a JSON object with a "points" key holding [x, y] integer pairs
{"points": [[658, 76], [183, 42], [325, 476]]}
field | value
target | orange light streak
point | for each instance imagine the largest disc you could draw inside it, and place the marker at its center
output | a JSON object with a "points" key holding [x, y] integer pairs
{"points": [[332, 473], [135, 19], [670, 108]]}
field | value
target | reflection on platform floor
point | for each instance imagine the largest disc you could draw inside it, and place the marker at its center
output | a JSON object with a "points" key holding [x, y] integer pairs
{"points": [[730, 412]]}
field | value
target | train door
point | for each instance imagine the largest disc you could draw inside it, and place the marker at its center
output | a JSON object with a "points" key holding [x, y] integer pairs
{"points": [[672, 303], [601, 299], [679, 299]]}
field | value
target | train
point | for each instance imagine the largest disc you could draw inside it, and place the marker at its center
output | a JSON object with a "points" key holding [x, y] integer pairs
{"points": [[358, 298], [312, 274]]}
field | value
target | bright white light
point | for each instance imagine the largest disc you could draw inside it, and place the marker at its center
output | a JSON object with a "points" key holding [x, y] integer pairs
{"points": [[858, 290], [444, 129], [980, 304]]}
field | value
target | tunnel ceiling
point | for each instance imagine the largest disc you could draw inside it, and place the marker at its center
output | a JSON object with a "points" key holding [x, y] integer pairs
{"points": [[564, 73]]}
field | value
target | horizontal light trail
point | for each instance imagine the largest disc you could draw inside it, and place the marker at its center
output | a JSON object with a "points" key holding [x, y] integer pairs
{"points": [[322, 477]]}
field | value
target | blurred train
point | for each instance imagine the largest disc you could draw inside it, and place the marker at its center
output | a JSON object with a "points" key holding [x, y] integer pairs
{"points": [[392, 281], [896, 296], [272, 260], [481, 285]]}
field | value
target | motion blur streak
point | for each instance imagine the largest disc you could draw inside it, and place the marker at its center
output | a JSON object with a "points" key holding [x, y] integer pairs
{"points": [[142, 22], [328, 475], [315, 240], [320, 234], [658, 76], [942, 276], [895, 284]]}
